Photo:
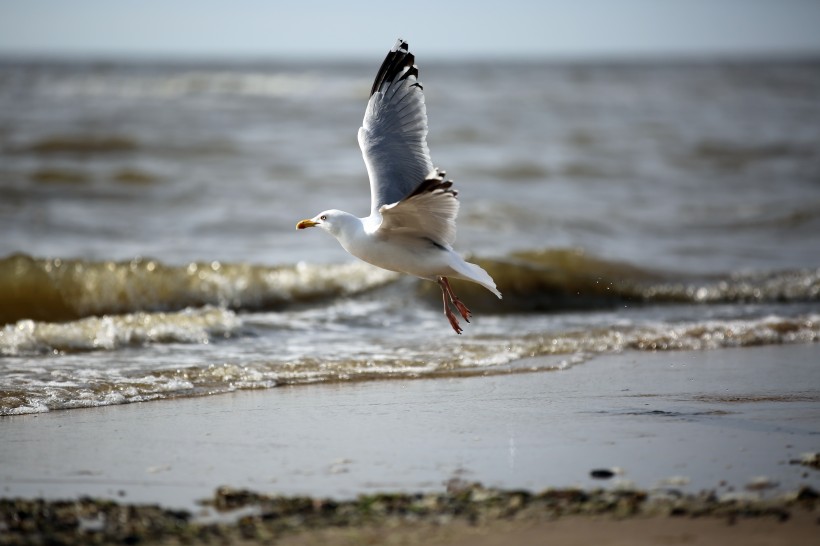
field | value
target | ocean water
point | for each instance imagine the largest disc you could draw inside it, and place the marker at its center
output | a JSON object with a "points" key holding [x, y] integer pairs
{"points": [[147, 212]]}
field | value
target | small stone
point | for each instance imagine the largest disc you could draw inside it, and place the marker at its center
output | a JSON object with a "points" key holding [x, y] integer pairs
{"points": [[602, 474], [806, 493], [760, 483]]}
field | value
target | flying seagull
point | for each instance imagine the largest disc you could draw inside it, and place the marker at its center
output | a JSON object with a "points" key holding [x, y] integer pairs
{"points": [[412, 224]]}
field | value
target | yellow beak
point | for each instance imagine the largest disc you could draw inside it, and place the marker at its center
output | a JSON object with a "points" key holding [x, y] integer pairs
{"points": [[306, 224]]}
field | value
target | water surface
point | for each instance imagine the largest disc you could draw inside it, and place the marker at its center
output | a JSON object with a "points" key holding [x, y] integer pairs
{"points": [[147, 211]]}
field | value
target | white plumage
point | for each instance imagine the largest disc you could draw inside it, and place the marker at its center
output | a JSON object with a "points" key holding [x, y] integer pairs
{"points": [[412, 224]]}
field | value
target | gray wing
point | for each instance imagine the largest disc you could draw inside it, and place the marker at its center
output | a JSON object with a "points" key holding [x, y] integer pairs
{"points": [[393, 136]]}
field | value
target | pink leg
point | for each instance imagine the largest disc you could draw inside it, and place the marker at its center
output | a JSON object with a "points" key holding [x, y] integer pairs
{"points": [[466, 313], [447, 312]]}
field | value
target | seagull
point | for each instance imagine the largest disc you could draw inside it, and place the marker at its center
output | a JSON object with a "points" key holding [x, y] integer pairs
{"points": [[412, 223]]}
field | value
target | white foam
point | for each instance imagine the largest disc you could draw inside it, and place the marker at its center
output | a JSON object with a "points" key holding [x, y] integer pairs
{"points": [[82, 383], [112, 332]]}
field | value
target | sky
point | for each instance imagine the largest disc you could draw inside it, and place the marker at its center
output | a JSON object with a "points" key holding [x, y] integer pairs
{"points": [[435, 28]]}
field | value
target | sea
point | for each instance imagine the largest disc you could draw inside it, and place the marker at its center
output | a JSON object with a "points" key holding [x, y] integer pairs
{"points": [[147, 214]]}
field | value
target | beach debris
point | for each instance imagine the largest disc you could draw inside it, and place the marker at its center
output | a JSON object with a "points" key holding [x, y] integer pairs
{"points": [[250, 516], [812, 460], [340, 466], [760, 483], [457, 484], [674, 481], [158, 468], [624, 485], [740, 497]]}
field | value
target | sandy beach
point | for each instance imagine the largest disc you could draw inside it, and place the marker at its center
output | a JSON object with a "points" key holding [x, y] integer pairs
{"points": [[730, 421]]}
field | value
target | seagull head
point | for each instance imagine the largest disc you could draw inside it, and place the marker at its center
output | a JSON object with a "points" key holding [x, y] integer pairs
{"points": [[332, 221]]}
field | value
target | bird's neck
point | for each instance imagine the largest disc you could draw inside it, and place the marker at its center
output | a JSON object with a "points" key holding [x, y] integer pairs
{"points": [[347, 228]]}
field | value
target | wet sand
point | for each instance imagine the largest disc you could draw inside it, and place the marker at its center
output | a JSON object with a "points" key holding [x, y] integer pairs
{"points": [[579, 531], [729, 421]]}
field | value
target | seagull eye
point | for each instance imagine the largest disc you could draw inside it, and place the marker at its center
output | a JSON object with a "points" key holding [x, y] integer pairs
{"points": [[323, 217]]}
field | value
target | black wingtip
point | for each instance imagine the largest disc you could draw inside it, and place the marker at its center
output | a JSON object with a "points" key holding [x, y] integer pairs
{"points": [[435, 181], [394, 63]]}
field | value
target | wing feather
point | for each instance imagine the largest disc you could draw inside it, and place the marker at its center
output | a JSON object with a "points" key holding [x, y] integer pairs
{"points": [[428, 212], [393, 136]]}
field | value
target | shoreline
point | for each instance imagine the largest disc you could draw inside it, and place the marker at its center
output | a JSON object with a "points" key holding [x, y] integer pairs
{"points": [[464, 514], [714, 419], [727, 424]]}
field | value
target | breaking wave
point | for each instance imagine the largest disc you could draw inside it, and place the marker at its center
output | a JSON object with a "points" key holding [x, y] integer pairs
{"points": [[561, 279], [61, 290], [549, 280]]}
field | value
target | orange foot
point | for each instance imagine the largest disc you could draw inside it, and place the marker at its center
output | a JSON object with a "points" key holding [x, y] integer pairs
{"points": [[465, 312], [449, 297], [453, 320]]}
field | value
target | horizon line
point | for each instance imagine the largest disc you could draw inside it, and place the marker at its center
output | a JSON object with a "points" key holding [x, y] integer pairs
{"points": [[169, 57]]}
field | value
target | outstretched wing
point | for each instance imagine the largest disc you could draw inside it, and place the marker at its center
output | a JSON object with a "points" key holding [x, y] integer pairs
{"points": [[393, 136], [429, 212]]}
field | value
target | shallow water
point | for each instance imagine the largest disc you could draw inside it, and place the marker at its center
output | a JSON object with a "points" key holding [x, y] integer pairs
{"points": [[147, 247]]}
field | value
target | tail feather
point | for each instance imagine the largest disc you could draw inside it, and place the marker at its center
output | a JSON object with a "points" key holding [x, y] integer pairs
{"points": [[473, 272]]}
